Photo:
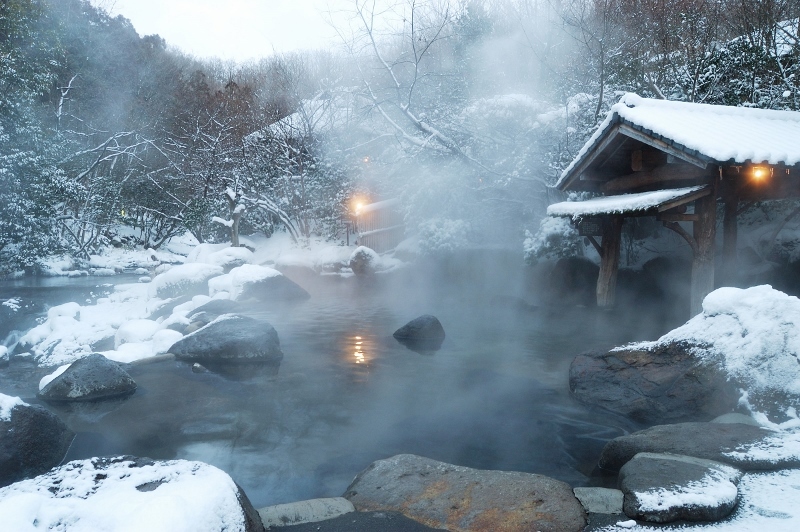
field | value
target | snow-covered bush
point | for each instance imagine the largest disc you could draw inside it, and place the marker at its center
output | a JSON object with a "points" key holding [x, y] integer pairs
{"points": [[555, 238], [442, 236]]}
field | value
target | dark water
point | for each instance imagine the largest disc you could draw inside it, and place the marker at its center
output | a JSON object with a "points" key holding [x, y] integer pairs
{"points": [[495, 395]]}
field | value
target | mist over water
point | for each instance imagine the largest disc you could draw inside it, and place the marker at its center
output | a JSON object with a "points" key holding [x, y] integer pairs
{"points": [[495, 396]]}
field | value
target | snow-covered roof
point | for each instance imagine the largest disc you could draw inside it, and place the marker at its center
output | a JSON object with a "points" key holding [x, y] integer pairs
{"points": [[709, 133], [627, 203]]}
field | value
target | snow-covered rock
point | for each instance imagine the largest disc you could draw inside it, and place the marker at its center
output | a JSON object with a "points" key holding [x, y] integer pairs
{"points": [[364, 261], [230, 339], [32, 440], [259, 283], [661, 488], [183, 279], [753, 334], [91, 378], [128, 493], [4, 356], [230, 257]]}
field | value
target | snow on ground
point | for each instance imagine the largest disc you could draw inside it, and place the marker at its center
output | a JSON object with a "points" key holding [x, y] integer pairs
{"points": [[70, 330], [175, 495], [768, 503], [7, 403], [754, 333]]}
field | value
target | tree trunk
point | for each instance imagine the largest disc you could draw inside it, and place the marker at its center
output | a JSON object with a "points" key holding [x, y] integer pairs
{"points": [[609, 262], [703, 263]]}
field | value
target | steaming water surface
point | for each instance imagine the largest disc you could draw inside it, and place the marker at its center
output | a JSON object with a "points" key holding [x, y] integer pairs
{"points": [[495, 396]]}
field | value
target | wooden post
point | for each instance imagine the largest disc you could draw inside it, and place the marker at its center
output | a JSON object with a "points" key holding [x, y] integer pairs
{"points": [[729, 237], [705, 228], [609, 262]]}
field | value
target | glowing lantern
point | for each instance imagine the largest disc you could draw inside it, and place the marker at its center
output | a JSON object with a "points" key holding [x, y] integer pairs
{"points": [[760, 173]]}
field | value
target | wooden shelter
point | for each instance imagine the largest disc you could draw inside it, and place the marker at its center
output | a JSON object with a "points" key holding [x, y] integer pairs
{"points": [[675, 161], [379, 225]]}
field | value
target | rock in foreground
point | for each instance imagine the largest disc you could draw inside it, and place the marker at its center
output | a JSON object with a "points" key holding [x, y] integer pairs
{"points": [[743, 446], [661, 488], [128, 493], [91, 378], [32, 440], [666, 383], [364, 261], [441, 495], [230, 339]]}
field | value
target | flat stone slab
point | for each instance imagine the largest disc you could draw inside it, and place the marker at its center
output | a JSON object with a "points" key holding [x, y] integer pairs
{"points": [[600, 500], [745, 447], [362, 522], [661, 488], [441, 495], [310, 511]]}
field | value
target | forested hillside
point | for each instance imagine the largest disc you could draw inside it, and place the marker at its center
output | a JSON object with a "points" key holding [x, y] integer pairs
{"points": [[466, 110]]}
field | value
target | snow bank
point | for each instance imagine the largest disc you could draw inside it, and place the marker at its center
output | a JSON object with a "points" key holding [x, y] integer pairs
{"points": [[7, 403], [135, 331], [280, 251], [753, 333], [70, 329], [233, 282], [172, 496], [201, 252]]}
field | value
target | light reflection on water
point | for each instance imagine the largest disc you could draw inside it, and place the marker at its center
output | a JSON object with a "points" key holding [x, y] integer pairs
{"points": [[346, 393]]}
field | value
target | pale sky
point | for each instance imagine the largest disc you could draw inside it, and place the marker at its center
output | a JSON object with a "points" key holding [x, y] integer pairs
{"points": [[235, 29]]}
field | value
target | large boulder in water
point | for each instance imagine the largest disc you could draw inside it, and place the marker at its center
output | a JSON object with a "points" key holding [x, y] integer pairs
{"points": [[442, 495], [425, 332], [230, 339], [32, 440], [663, 384], [90, 378], [129, 493]]}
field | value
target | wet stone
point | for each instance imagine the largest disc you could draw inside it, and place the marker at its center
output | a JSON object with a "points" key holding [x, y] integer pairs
{"points": [[91, 378], [441, 495]]}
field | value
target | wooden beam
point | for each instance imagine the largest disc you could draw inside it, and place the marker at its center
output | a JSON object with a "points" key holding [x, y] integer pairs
{"points": [[636, 160], [676, 217], [608, 140], [703, 192], [627, 130], [660, 174], [730, 229], [675, 226], [703, 261], [594, 243], [609, 262]]}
